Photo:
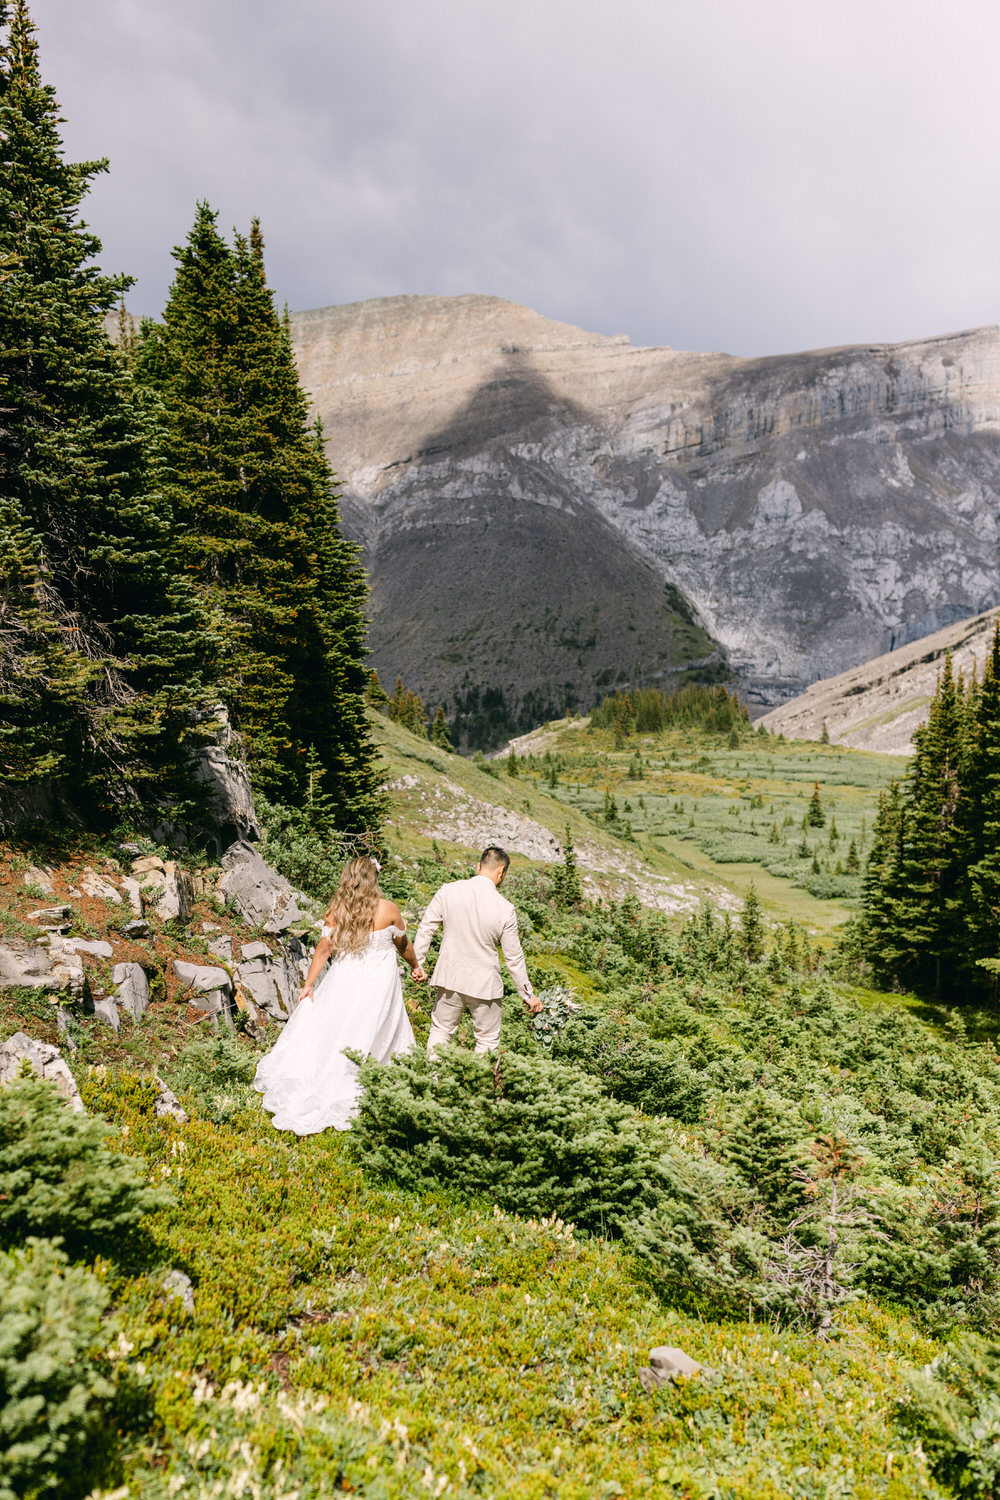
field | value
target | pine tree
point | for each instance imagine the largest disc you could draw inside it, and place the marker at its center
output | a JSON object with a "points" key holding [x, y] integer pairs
{"points": [[752, 928], [978, 890], [513, 768], [104, 652], [815, 816], [258, 527], [439, 731], [566, 882], [766, 1146]]}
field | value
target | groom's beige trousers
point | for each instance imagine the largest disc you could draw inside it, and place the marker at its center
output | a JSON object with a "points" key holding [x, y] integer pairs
{"points": [[448, 1012]]}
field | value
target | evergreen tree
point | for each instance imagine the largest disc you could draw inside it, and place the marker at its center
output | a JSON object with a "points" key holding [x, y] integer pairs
{"points": [[815, 816], [566, 878], [407, 708], [978, 890], [257, 524], [103, 652], [439, 731], [752, 928], [768, 1147]]}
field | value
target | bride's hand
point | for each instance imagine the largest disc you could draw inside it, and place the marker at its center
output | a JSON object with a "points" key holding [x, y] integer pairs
{"points": [[306, 993], [419, 974]]}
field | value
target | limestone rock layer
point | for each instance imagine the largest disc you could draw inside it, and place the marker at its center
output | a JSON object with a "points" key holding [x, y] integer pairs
{"points": [[554, 512]]}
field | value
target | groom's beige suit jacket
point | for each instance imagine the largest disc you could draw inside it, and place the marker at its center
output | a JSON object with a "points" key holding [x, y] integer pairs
{"points": [[477, 921]]}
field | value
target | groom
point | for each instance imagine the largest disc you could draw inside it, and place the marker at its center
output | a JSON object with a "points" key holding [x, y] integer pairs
{"points": [[476, 920]]}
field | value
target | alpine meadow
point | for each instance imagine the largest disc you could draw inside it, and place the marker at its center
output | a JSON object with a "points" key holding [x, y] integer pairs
{"points": [[718, 1219]]}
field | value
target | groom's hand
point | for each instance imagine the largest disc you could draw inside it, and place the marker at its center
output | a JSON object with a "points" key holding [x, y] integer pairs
{"points": [[534, 1004], [419, 974]]}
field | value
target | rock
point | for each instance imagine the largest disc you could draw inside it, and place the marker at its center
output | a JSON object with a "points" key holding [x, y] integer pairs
{"points": [[255, 950], [201, 977], [106, 1008], [40, 876], [95, 885], [133, 988], [207, 927], [63, 1018], [222, 947], [137, 928], [147, 865], [33, 967], [230, 799], [178, 1288], [133, 892], [51, 914], [45, 1061], [214, 1003], [170, 893], [167, 1103], [96, 947], [667, 1363], [261, 896], [128, 851]]}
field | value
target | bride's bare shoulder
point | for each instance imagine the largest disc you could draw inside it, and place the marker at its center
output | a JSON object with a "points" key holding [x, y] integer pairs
{"points": [[387, 914]]}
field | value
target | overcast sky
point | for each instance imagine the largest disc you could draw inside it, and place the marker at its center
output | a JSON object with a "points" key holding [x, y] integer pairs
{"points": [[748, 175]]}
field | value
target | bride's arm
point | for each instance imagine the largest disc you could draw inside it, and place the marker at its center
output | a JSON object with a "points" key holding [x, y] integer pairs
{"points": [[319, 959], [405, 948]]}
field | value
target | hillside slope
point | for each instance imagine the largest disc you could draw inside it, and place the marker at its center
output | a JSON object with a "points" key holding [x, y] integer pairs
{"points": [[878, 705], [527, 491]]}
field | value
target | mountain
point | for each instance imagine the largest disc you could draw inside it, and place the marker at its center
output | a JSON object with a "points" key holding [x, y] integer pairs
{"points": [[879, 704], [548, 513]]}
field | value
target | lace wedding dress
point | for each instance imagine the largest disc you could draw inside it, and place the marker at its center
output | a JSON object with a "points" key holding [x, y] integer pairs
{"points": [[307, 1082]]}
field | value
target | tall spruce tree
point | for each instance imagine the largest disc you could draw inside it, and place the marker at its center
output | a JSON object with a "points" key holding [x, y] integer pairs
{"points": [[258, 527], [102, 647]]}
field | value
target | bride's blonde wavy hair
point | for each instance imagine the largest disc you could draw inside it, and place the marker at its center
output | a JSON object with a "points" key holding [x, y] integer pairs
{"points": [[352, 910]]}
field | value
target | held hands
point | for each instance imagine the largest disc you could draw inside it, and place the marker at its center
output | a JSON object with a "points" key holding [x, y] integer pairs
{"points": [[418, 974]]}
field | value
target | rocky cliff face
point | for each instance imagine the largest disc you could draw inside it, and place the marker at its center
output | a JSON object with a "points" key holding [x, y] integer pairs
{"points": [[879, 705], [553, 512]]}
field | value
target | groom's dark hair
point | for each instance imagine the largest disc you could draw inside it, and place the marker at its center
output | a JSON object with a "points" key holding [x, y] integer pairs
{"points": [[493, 856]]}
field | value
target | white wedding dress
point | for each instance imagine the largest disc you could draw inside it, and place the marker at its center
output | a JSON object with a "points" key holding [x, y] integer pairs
{"points": [[307, 1082]]}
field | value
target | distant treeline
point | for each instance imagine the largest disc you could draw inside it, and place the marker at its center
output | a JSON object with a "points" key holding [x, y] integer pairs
{"points": [[649, 710]]}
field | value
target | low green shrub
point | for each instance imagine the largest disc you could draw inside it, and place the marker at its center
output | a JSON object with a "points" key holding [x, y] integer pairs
{"points": [[57, 1176], [533, 1136], [634, 1069], [953, 1410], [215, 1076], [54, 1385]]}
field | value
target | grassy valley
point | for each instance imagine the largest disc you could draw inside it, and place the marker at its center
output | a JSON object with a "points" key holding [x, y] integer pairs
{"points": [[420, 1308]]}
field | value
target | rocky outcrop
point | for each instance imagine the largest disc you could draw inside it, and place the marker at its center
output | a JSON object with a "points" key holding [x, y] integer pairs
{"points": [[219, 768], [880, 704], [261, 896], [44, 1060], [549, 512], [33, 966]]}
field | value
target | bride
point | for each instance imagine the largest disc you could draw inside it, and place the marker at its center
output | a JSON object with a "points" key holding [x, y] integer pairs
{"points": [[307, 1082]]}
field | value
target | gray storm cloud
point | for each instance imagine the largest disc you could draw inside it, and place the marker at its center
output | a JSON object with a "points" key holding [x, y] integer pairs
{"points": [[720, 174]]}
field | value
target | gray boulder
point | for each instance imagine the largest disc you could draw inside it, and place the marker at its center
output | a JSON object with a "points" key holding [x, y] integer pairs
{"points": [[167, 1103], [168, 892], [133, 893], [106, 1008], [96, 947], [201, 977], [668, 1363], [132, 988], [95, 885], [230, 799], [44, 1060], [34, 967], [222, 947], [261, 896], [255, 950], [274, 979], [177, 1288], [40, 876]]}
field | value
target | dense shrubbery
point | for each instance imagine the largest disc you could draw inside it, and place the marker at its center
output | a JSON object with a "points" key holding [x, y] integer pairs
{"points": [[54, 1385], [58, 1177]]}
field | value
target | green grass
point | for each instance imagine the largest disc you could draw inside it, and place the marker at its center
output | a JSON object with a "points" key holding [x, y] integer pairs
{"points": [[461, 1350]]}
